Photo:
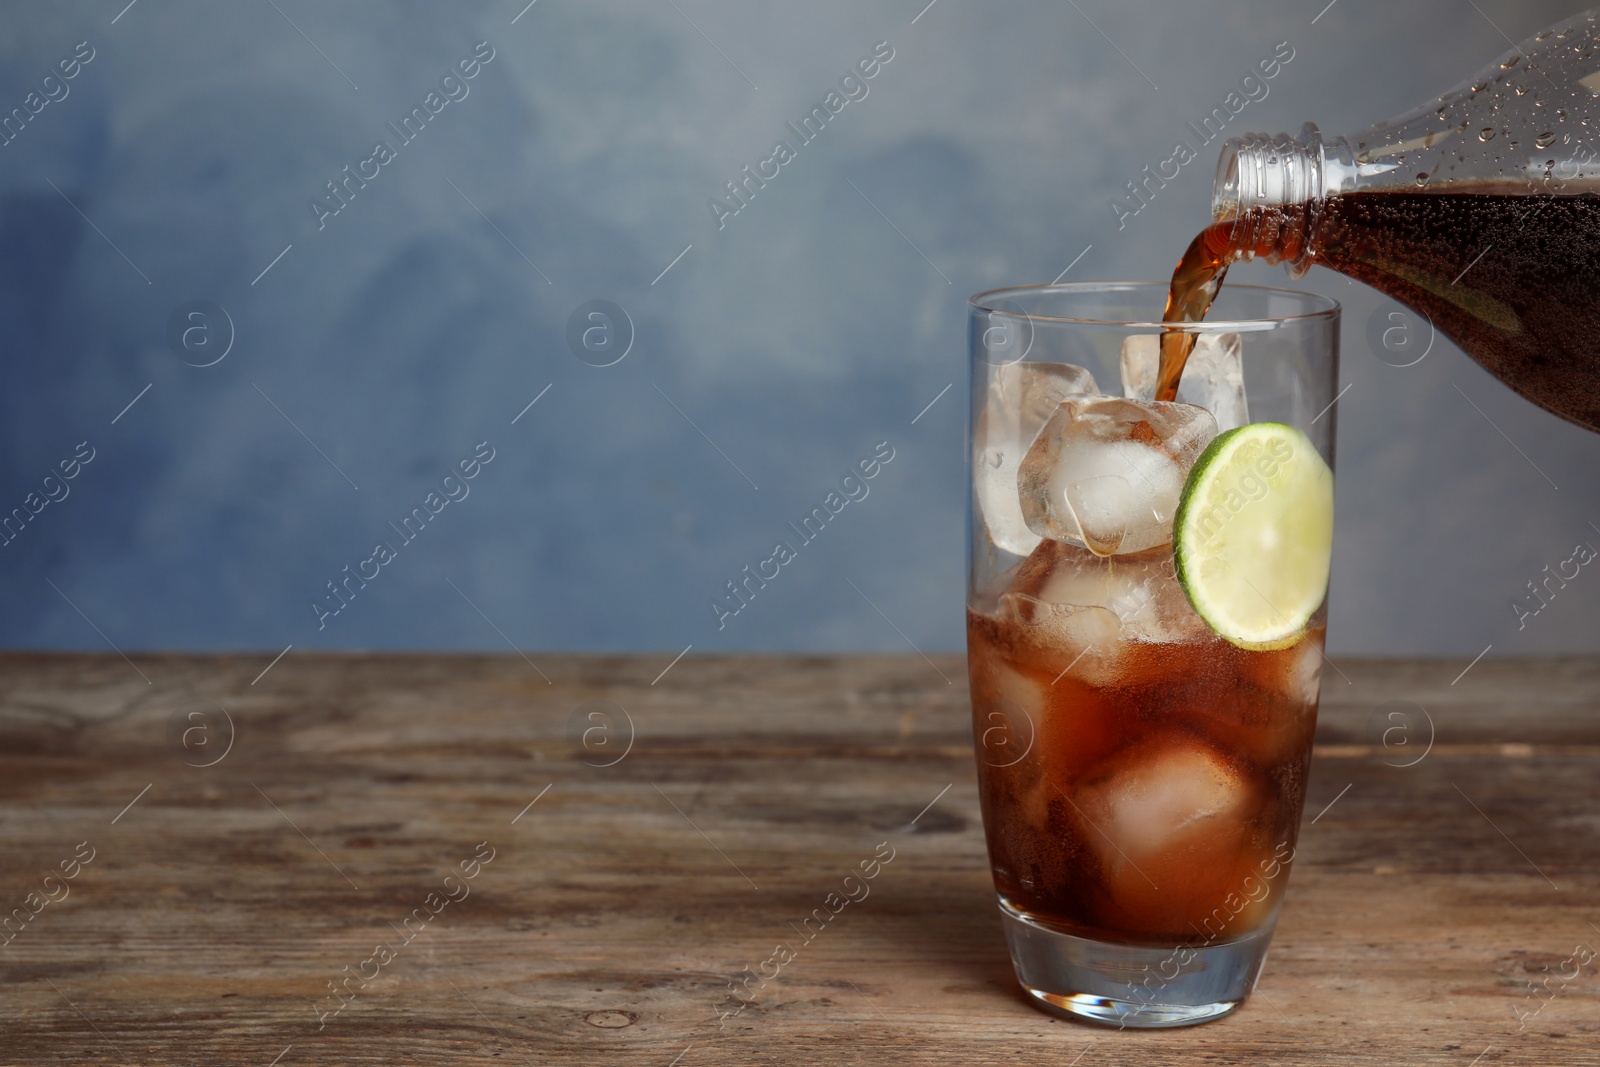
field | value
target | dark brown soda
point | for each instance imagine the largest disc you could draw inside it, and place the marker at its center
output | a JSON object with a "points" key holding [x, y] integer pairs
{"points": [[1512, 278], [1061, 729]]}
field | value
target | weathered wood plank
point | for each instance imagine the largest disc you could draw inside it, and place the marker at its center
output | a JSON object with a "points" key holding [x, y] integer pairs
{"points": [[618, 907]]}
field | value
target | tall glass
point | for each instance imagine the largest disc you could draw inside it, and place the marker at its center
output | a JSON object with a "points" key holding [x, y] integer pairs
{"points": [[1142, 775]]}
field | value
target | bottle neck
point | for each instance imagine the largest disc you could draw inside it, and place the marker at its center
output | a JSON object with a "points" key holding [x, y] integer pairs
{"points": [[1272, 187]]}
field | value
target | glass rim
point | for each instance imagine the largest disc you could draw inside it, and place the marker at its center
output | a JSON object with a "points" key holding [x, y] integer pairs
{"points": [[985, 301]]}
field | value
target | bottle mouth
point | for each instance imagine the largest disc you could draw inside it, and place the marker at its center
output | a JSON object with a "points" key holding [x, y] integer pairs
{"points": [[1261, 170]]}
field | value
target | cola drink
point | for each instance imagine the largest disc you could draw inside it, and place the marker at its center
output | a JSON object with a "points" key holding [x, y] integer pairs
{"points": [[1141, 777]]}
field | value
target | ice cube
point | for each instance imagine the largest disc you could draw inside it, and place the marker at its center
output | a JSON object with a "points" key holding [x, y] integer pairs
{"points": [[1295, 673], [1016, 704], [1106, 472], [1155, 797], [1169, 822], [1060, 573], [1139, 598], [1023, 708], [1166, 617], [1074, 609], [1022, 397], [1213, 378]]}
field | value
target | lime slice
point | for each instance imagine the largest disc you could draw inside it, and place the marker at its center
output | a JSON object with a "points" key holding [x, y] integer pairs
{"points": [[1253, 536]]}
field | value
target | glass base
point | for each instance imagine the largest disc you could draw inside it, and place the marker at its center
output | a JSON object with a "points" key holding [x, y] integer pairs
{"points": [[1138, 986]]}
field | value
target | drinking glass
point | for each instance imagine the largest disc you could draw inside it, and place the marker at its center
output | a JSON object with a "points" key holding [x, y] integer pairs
{"points": [[1142, 777]]}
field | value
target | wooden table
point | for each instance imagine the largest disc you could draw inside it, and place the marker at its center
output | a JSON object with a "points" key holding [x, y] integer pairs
{"points": [[637, 870]]}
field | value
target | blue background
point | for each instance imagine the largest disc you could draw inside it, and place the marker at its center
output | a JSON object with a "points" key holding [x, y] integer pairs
{"points": [[819, 321]]}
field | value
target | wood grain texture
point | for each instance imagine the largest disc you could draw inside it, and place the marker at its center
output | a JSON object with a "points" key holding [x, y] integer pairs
{"points": [[618, 908]]}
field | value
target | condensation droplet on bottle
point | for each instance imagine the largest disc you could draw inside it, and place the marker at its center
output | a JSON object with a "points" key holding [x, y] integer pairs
{"points": [[1422, 178], [1561, 112], [1521, 90], [1513, 61], [1544, 140], [1486, 134]]}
